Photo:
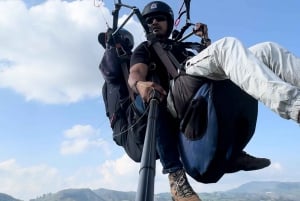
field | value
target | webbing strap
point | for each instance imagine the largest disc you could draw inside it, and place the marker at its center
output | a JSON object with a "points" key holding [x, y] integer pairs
{"points": [[165, 59], [126, 75], [122, 53]]}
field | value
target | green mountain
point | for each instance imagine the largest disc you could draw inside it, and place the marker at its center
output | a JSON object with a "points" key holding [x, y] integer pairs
{"points": [[275, 190], [114, 195], [71, 195], [258, 191], [5, 197], [252, 191]]}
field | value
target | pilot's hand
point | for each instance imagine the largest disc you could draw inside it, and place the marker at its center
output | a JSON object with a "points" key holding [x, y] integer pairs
{"points": [[201, 30], [146, 90]]}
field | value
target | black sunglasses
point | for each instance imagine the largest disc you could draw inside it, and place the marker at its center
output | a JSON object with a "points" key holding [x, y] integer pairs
{"points": [[158, 18]]}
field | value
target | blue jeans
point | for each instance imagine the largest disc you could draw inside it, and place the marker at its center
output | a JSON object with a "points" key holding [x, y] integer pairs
{"points": [[166, 137]]}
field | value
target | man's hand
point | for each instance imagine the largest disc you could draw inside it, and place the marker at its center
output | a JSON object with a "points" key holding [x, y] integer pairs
{"points": [[145, 89], [201, 30]]}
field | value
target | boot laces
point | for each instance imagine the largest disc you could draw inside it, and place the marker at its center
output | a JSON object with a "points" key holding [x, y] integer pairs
{"points": [[183, 188]]}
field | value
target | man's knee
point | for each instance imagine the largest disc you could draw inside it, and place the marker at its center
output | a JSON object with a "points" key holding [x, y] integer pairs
{"points": [[231, 40], [263, 48], [227, 43]]}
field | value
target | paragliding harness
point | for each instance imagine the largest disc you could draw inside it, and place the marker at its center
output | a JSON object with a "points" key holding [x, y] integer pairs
{"points": [[217, 118], [137, 135], [127, 123]]}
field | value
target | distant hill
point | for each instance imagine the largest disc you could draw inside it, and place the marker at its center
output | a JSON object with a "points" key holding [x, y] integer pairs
{"points": [[277, 190], [252, 191], [5, 197], [258, 191], [114, 195], [71, 195], [95, 195], [256, 187]]}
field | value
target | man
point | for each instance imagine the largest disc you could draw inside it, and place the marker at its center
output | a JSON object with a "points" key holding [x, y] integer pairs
{"points": [[147, 73]]}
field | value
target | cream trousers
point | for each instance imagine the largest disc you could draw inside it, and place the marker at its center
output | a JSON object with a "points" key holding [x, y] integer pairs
{"points": [[266, 71]]}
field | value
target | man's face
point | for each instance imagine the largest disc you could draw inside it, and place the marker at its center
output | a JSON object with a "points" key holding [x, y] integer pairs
{"points": [[158, 25]]}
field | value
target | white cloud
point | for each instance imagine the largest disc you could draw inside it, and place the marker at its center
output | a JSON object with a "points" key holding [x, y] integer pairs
{"points": [[36, 180], [276, 167], [79, 131], [50, 52], [275, 172], [80, 138], [121, 168], [118, 174]]}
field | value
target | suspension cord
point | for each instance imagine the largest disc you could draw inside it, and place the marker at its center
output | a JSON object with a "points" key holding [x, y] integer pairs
{"points": [[133, 125], [186, 4], [99, 4]]}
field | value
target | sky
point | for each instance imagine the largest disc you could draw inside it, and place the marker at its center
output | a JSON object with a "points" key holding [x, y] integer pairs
{"points": [[54, 133]]}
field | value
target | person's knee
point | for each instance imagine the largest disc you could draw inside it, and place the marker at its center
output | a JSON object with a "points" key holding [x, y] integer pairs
{"points": [[230, 39], [263, 50], [262, 47], [230, 42]]}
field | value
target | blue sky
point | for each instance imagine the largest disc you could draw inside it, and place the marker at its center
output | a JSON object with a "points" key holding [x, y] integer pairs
{"points": [[53, 129]]}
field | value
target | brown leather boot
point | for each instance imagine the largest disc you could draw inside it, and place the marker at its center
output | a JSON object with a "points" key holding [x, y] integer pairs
{"points": [[181, 190]]}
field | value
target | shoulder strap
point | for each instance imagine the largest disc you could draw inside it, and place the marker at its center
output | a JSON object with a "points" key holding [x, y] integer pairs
{"points": [[174, 60], [122, 53], [126, 75], [165, 59]]}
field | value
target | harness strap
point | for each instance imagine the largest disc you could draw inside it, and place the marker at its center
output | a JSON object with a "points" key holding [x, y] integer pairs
{"points": [[124, 68], [174, 60], [126, 75], [165, 59]]}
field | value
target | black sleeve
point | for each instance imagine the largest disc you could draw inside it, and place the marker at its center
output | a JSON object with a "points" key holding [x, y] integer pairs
{"points": [[140, 55]]}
